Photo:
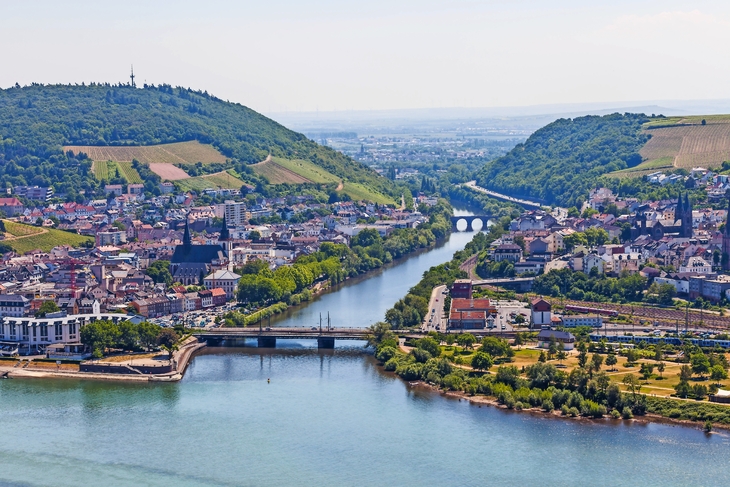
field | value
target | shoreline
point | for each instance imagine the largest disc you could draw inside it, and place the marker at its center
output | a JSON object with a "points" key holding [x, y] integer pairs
{"points": [[648, 418], [183, 357]]}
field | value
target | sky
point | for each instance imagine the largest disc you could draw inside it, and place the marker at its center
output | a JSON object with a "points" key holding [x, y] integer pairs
{"points": [[331, 55]]}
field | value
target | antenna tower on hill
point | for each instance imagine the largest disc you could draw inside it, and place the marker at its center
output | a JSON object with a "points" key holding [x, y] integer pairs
{"points": [[132, 77]]}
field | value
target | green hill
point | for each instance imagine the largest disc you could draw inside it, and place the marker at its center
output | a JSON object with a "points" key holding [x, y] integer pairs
{"points": [[559, 163], [37, 121]]}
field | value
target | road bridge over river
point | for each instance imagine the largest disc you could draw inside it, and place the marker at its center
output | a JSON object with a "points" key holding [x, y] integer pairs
{"points": [[325, 338], [267, 337]]}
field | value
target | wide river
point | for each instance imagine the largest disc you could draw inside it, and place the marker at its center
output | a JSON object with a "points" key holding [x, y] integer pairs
{"points": [[330, 418]]}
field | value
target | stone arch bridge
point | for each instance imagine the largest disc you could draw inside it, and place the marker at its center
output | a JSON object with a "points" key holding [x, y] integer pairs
{"points": [[470, 222]]}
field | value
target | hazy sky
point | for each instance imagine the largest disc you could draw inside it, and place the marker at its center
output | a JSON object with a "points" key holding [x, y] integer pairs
{"points": [[276, 55]]}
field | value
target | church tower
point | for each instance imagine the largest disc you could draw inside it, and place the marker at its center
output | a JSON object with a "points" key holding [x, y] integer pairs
{"points": [[224, 239], [726, 241]]}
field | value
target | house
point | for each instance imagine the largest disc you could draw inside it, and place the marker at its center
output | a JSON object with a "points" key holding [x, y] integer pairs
{"points": [[206, 299], [115, 189], [219, 296], [510, 252], [540, 313], [167, 187], [11, 206], [572, 321], [470, 314], [14, 305], [565, 338], [462, 288], [223, 279]]}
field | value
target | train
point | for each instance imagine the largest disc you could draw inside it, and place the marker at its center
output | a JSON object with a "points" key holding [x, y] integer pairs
{"points": [[700, 342], [597, 311]]}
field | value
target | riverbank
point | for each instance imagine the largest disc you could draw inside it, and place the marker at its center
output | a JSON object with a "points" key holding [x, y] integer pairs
{"points": [[555, 414], [181, 359]]}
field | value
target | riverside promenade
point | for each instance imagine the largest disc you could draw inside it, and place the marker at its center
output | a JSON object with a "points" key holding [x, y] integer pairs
{"points": [[146, 369]]}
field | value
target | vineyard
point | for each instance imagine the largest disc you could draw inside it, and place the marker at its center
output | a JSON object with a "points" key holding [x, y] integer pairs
{"points": [[688, 143], [24, 238], [178, 152], [13, 229], [107, 170], [222, 179], [278, 174]]}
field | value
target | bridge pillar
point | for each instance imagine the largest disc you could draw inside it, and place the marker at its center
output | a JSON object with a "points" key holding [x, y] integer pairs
{"points": [[267, 342], [325, 342]]}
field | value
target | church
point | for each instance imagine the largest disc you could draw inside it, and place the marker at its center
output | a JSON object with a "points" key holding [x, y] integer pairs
{"points": [[680, 226], [191, 263]]}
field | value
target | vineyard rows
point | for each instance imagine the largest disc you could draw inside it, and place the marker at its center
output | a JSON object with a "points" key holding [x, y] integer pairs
{"points": [[179, 152]]}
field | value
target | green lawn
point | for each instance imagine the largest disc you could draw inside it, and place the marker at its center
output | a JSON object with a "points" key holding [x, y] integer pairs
{"points": [[222, 179]]}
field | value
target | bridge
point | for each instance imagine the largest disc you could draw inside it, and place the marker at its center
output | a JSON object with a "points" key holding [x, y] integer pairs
{"points": [[267, 337], [504, 197], [483, 219]]}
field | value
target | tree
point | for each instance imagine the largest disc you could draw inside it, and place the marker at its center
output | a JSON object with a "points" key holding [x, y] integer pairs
{"points": [[128, 335], [660, 367], [582, 359], [632, 384], [378, 333], [496, 347], [429, 344], [159, 271], [683, 389], [254, 235], [700, 364], [167, 340], [47, 307], [561, 356], [596, 362], [718, 373], [99, 336], [611, 360], [685, 373], [699, 391], [482, 361], [148, 333], [646, 371], [542, 358], [466, 340]]}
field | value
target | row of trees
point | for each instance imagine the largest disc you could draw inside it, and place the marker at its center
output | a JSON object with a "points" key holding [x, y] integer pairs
{"points": [[592, 286], [101, 336]]}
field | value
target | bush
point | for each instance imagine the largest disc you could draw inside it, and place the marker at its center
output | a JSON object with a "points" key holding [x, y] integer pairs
{"points": [[674, 413], [547, 406], [615, 414], [573, 412], [391, 364], [518, 406], [626, 413], [565, 410], [384, 354]]}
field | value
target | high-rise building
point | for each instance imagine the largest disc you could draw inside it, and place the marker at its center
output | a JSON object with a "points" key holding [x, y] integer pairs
{"points": [[235, 213]]}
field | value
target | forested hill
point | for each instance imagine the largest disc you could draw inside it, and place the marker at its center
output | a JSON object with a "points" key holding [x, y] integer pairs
{"points": [[562, 161], [37, 120]]}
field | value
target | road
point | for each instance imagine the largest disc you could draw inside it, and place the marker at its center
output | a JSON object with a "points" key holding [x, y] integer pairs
{"points": [[494, 194], [435, 316]]}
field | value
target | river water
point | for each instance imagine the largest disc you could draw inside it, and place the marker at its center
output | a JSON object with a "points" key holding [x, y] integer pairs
{"points": [[329, 418]]}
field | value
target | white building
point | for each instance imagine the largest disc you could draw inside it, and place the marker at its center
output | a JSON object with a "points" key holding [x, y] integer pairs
{"points": [[571, 321], [224, 279], [236, 214]]}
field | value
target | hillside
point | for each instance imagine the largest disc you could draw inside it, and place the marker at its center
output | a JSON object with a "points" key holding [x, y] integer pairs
{"points": [[560, 162], [37, 121]]}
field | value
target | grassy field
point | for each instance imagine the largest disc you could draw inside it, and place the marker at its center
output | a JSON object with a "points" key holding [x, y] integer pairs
{"points": [[224, 179], [44, 241], [179, 152]]}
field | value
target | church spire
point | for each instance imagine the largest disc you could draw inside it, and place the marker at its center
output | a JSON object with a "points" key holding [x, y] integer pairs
{"points": [[225, 234], [186, 236]]}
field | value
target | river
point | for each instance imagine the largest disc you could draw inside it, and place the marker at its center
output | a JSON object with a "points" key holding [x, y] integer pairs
{"points": [[327, 418]]}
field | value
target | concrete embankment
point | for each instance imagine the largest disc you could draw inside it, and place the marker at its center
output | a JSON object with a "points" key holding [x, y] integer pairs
{"points": [[172, 371]]}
